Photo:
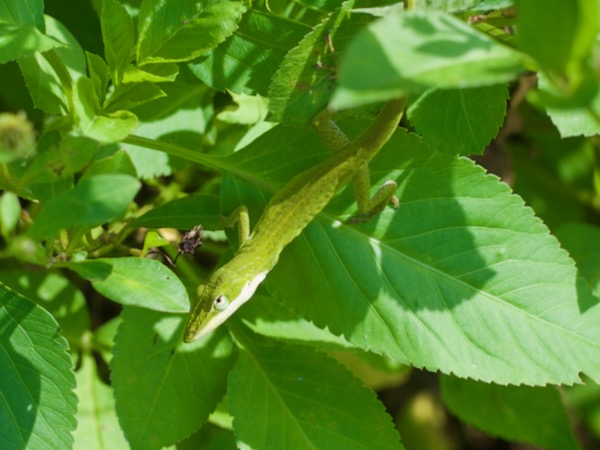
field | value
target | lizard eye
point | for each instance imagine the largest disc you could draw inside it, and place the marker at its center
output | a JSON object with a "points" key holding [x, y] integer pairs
{"points": [[221, 302]]}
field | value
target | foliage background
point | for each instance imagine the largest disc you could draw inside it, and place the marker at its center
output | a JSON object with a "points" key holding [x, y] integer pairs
{"points": [[71, 263]]}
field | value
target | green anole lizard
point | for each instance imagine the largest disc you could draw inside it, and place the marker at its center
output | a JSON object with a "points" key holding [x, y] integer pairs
{"points": [[289, 212]]}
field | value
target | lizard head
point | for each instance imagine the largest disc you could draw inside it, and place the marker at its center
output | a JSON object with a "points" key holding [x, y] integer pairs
{"points": [[218, 299]]}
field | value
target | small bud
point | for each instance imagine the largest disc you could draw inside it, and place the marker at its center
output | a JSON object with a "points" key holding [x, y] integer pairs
{"points": [[17, 136]]}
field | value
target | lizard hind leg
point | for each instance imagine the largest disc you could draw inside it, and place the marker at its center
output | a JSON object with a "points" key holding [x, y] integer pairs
{"points": [[368, 207]]}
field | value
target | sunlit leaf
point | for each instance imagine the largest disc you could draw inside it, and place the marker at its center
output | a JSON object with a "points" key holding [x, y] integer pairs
{"points": [[155, 376], [38, 404], [405, 53], [141, 282], [296, 397]]}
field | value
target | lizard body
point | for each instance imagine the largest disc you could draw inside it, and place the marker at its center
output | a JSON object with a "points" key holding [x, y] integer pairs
{"points": [[286, 216]]}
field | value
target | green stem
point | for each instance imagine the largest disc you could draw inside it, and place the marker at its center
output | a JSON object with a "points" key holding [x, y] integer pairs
{"points": [[185, 153]]}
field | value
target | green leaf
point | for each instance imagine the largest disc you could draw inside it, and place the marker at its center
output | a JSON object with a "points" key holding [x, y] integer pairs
{"points": [[460, 121], [56, 294], [572, 119], [153, 239], [92, 202], [24, 12], [128, 96], [582, 241], [38, 406], [104, 127], [62, 160], [18, 41], [267, 316], [536, 416], [249, 58], [410, 52], [210, 437], [117, 35], [295, 397], [148, 163], [119, 163], [141, 282], [111, 127], [250, 109], [154, 73], [196, 28], [155, 376], [44, 84], [445, 282], [98, 71], [184, 214], [97, 424]]}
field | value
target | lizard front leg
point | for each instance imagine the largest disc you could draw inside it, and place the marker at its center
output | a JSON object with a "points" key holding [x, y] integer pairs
{"points": [[242, 218]]}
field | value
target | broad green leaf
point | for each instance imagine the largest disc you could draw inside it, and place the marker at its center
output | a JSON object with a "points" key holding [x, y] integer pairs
{"points": [[405, 53], [252, 55], [118, 35], [117, 163], [184, 214], [181, 30], [111, 127], [460, 121], [148, 163], [165, 389], [37, 404], [295, 397], [10, 212], [56, 294], [445, 282], [104, 127], [92, 202], [141, 282], [559, 34], [24, 12], [44, 84], [582, 241], [18, 41], [97, 424], [67, 157], [536, 416], [269, 317]]}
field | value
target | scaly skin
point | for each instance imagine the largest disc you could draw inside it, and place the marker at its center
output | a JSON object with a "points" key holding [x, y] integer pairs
{"points": [[286, 215]]}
